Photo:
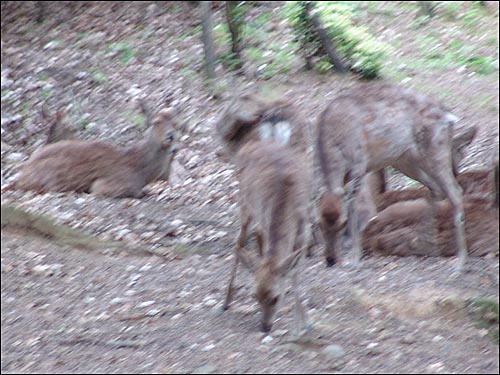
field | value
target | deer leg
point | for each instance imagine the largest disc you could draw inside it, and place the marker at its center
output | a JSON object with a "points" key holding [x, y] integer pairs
{"points": [[240, 243], [453, 192], [301, 321], [353, 219]]}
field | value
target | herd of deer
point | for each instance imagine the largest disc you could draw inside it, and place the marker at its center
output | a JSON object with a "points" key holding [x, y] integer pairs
{"points": [[364, 130]]}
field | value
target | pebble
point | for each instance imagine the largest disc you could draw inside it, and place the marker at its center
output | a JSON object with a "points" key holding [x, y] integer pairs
{"points": [[118, 300], [267, 339], [210, 302], [333, 351], [146, 304], [207, 369], [153, 312], [47, 269], [208, 347], [15, 156]]}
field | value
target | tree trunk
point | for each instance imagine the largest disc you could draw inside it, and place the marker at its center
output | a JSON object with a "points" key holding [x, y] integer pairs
{"points": [[325, 40], [41, 11], [207, 37], [426, 8], [234, 23]]}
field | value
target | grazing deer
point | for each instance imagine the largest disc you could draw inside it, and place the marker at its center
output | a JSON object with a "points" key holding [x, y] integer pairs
{"points": [[102, 168], [403, 226], [250, 117], [274, 198], [373, 126]]}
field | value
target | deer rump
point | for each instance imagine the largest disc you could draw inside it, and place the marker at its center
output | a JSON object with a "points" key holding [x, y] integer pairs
{"points": [[251, 118]]}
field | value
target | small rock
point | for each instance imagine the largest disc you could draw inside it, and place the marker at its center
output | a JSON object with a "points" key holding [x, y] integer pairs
{"points": [[134, 91], [208, 347], [176, 316], [267, 339], [47, 269], [145, 304], [153, 312], [333, 351], [118, 300], [176, 223], [436, 367], [80, 201], [207, 369], [210, 302], [408, 339], [122, 233], [437, 338], [15, 156]]}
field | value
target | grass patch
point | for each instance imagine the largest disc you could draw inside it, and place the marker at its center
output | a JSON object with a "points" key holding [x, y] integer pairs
{"points": [[123, 50], [484, 311]]}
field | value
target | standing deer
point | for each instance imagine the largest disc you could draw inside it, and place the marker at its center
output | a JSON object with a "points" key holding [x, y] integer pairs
{"points": [[250, 117], [373, 126], [274, 199], [102, 168]]}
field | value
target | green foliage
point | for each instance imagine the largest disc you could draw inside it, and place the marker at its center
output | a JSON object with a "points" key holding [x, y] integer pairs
{"points": [[354, 43], [124, 50], [269, 57], [138, 119], [485, 313], [454, 55]]}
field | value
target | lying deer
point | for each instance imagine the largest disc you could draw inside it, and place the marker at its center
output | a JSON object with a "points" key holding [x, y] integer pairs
{"points": [[274, 199], [403, 225], [102, 168], [373, 126]]}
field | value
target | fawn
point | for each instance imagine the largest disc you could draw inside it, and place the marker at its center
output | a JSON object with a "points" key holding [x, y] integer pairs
{"points": [[372, 126], [274, 199], [404, 222], [102, 168]]}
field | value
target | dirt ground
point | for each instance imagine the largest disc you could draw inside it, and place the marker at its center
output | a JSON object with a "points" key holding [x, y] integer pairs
{"points": [[72, 309]]}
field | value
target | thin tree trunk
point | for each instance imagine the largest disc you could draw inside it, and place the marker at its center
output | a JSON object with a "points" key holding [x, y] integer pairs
{"points": [[234, 24], [325, 40], [426, 8], [207, 37]]}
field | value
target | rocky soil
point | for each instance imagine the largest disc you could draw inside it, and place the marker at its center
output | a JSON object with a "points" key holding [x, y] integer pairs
{"points": [[70, 308]]}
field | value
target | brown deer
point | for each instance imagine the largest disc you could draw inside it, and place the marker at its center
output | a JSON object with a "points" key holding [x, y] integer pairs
{"points": [[274, 199], [251, 117], [102, 168], [376, 125], [59, 129], [403, 225]]}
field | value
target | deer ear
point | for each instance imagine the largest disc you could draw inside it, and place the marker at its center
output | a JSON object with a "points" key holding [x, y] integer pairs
{"points": [[289, 262], [247, 260]]}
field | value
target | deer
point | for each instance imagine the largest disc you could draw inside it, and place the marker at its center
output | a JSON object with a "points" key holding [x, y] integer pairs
{"points": [[59, 128], [102, 168], [372, 126], [274, 205], [403, 224], [251, 117]]}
